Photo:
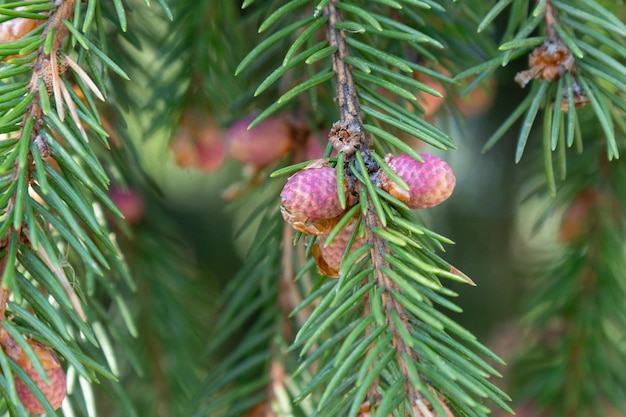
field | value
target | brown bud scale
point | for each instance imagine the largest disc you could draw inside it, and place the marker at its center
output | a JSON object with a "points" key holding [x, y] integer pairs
{"points": [[547, 62]]}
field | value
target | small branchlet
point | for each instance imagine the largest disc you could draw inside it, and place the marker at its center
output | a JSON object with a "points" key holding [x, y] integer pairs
{"points": [[348, 136], [553, 60]]}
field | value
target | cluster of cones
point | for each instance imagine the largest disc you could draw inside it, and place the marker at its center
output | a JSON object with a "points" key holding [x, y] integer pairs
{"points": [[311, 203], [200, 143]]}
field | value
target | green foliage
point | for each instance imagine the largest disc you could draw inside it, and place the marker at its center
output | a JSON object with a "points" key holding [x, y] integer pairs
{"points": [[445, 350], [571, 362], [236, 383], [120, 305]]}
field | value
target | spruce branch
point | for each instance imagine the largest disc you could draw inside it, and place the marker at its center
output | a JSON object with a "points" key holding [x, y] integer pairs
{"points": [[349, 136], [253, 372], [389, 275], [347, 100], [53, 231]]}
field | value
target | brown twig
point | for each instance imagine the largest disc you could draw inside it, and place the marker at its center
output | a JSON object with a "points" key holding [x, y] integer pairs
{"points": [[419, 404], [348, 134], [349, 107], [551, 18]]}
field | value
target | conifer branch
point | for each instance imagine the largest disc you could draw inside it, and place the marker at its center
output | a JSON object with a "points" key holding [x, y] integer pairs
{"points": [[379, 300], [46, 69], [288, 299], [570, 66], [53, 233], [349, 136], [587, 275]]}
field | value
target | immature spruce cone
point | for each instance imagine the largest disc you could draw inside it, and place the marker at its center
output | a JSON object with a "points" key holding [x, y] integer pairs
{"points": [[430, 182], [17, 28], [130, 203], [265, 143], [198, 142], [54, 391], [309, 200], [328, 259]]}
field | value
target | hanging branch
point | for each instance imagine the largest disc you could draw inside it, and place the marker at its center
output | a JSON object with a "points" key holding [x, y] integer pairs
{"points": [[348, 135], [381, 282]]}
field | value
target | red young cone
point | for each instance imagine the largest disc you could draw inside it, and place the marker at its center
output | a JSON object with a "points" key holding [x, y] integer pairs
{"points": [[309, 199], [328, 259], [265, 143], [130, 203], [430, 182], [198, 142], [54, 391]]}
